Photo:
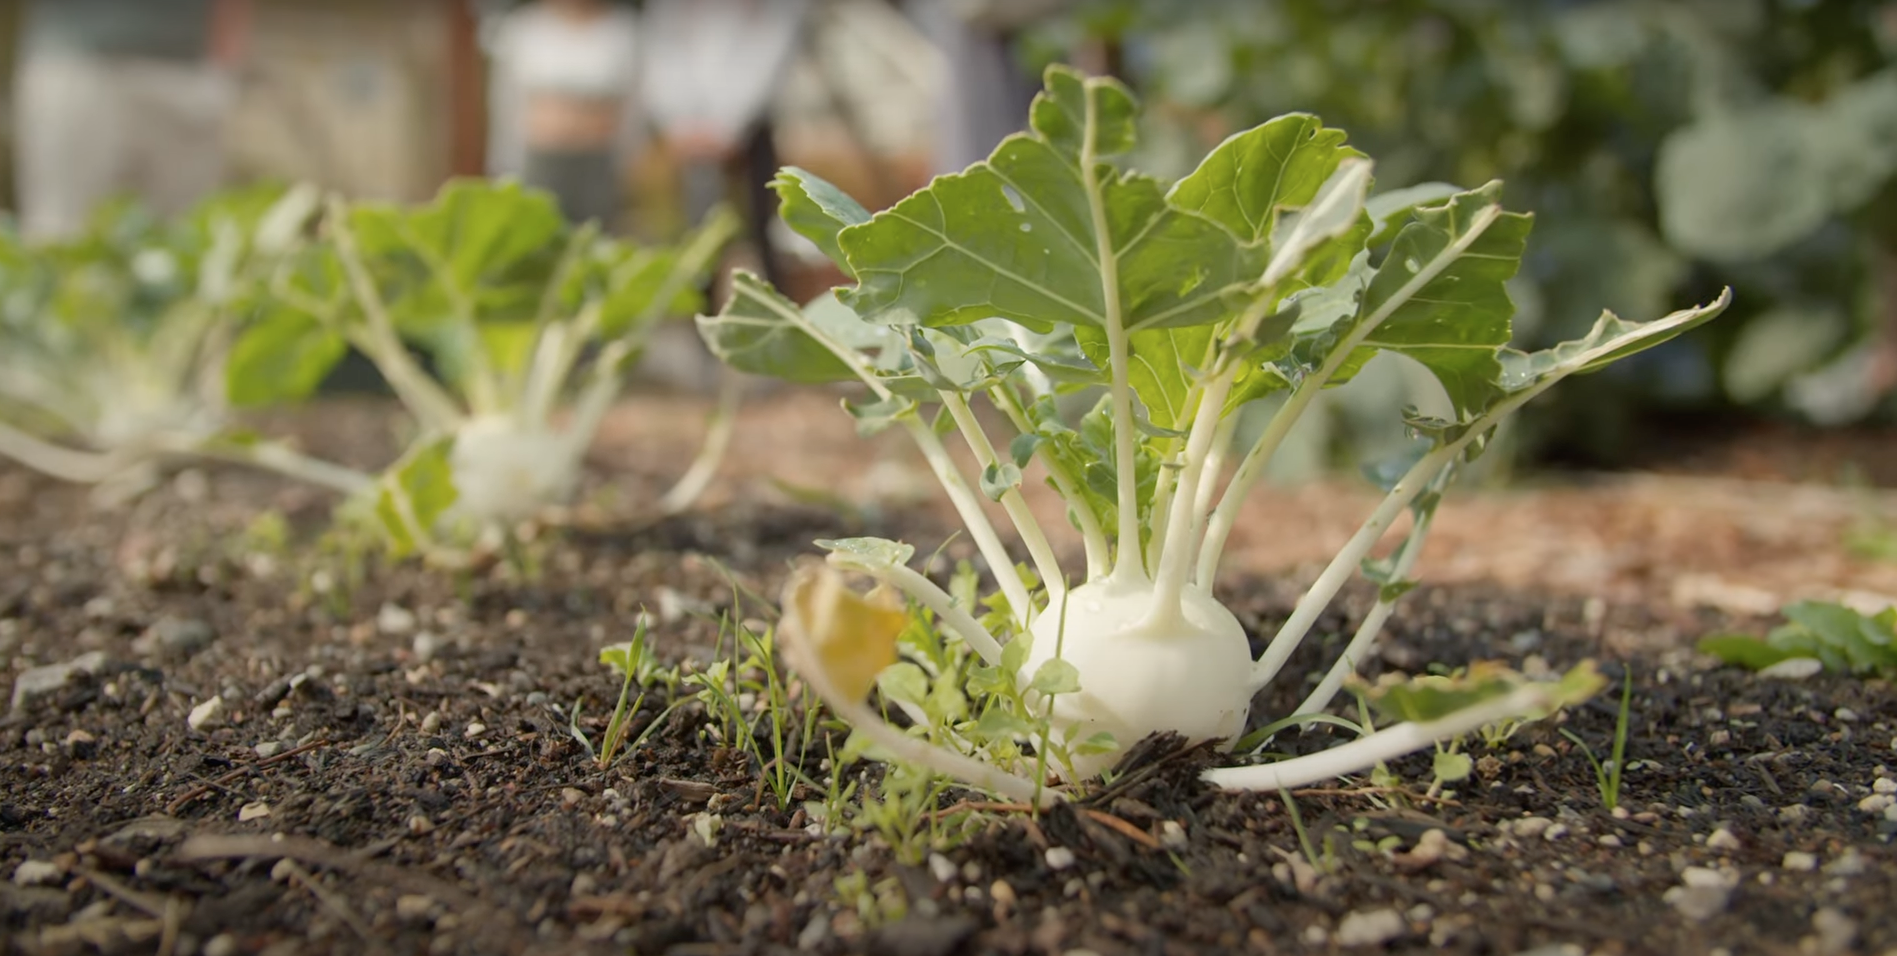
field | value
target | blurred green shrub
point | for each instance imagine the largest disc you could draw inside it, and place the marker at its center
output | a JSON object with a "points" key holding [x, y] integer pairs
{"points": [[1671, 147]]}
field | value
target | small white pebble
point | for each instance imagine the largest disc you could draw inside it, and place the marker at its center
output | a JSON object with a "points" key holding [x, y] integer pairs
{"points": [[1172, 835], [1705, 877], [223, 944], [394, 620], [1800, 862], [253, 811], [268, 748], [208, 715], [1877, 803], [475, 729], [1059, 857], [1531, 827], [431, 723], [1555, 832], [414, 907], [38, 873], [943, 868], [1609, 840], [1884, 785], [1370, 928], [283, 870], [1722, 840], [1845, 715]]}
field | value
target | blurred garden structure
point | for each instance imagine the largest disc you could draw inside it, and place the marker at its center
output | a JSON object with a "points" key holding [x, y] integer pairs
{"points": [[1671, 147]]}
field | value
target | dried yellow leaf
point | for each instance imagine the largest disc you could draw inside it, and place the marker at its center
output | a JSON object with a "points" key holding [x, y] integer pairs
{"points": [[850, 637]]}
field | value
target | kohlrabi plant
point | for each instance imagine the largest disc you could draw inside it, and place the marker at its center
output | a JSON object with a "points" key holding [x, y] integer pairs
{"points": [[113, 344], [1271, 270], [530, 325]]}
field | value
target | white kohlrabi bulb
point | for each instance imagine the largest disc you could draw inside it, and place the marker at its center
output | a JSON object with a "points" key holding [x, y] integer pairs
{"points": [[1138, 676], [505, 470]]}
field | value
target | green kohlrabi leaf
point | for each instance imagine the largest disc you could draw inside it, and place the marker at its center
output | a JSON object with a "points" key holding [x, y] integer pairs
{"points": [[282, 357], [1611, 339], [1015, 236], [868, 554], [1161, 367], [1745, 650], [1842, 639], [1433, 697], [1390, 211], [1335, 211], [415, 493], [1056, 676], [1252, 177], [816, 210], [761, 332], [475, 231], [1440, 295]]}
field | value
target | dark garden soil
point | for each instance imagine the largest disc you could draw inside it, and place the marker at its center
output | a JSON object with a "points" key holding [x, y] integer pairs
{"points": [[389, 768]]}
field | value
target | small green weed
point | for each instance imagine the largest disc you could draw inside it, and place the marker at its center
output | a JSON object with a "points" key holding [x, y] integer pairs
{"points": [[1607, 775]]}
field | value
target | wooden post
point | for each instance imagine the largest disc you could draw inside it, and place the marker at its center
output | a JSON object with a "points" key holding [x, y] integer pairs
{"points": [[467, 91]]}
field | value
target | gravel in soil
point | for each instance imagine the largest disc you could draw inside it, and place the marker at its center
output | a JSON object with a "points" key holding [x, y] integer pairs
{"points": [[205, 753]]}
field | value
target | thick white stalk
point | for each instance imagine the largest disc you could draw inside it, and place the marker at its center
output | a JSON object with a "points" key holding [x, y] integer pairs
{"points": [[1182, 526], [718, 431], [1365, 639], [1128, 563], [1253, 467], [959, 494], [1345, 563], [1092, 536], [426, 400], [930, 595], [1164, 485], [559, 350], [285, 461], [1020, 603], [593, 404], [1318, 597], [549, 360], [1214, 468], [1388, 744], [1218, 528], [66, 464], [1045, 564]]}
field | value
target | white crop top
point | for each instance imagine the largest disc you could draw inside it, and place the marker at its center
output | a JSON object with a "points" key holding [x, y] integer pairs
{"points": [[542, 52]]}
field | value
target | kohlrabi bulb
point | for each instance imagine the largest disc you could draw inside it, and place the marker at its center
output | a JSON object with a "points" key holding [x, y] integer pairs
{"points": [[506, 470], [1190, 674]]}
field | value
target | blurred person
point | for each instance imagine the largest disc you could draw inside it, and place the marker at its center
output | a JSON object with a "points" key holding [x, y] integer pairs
{"points": [[712, 71], [564, 102], [116, 97], [985, 93]]}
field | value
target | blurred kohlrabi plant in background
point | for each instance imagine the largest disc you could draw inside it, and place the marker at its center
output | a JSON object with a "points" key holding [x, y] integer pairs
{"points": [[114, 344], [531, 325]]}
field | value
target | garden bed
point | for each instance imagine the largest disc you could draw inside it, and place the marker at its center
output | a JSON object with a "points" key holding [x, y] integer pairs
{"points": [[407, 737]]}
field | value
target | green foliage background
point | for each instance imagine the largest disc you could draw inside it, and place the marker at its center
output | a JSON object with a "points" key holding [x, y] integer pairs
{"points": [[1669, 148]]}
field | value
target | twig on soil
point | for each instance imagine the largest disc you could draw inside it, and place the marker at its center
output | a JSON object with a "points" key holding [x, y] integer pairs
{"points": [[1373, 792], [978, 806], [335, 903], [175, 910], [147, 903], [1120, 826], [208, 846], [238, 774]]}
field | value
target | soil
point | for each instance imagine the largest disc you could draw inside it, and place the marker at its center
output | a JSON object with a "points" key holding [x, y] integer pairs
{"points": [[390, 768]]}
